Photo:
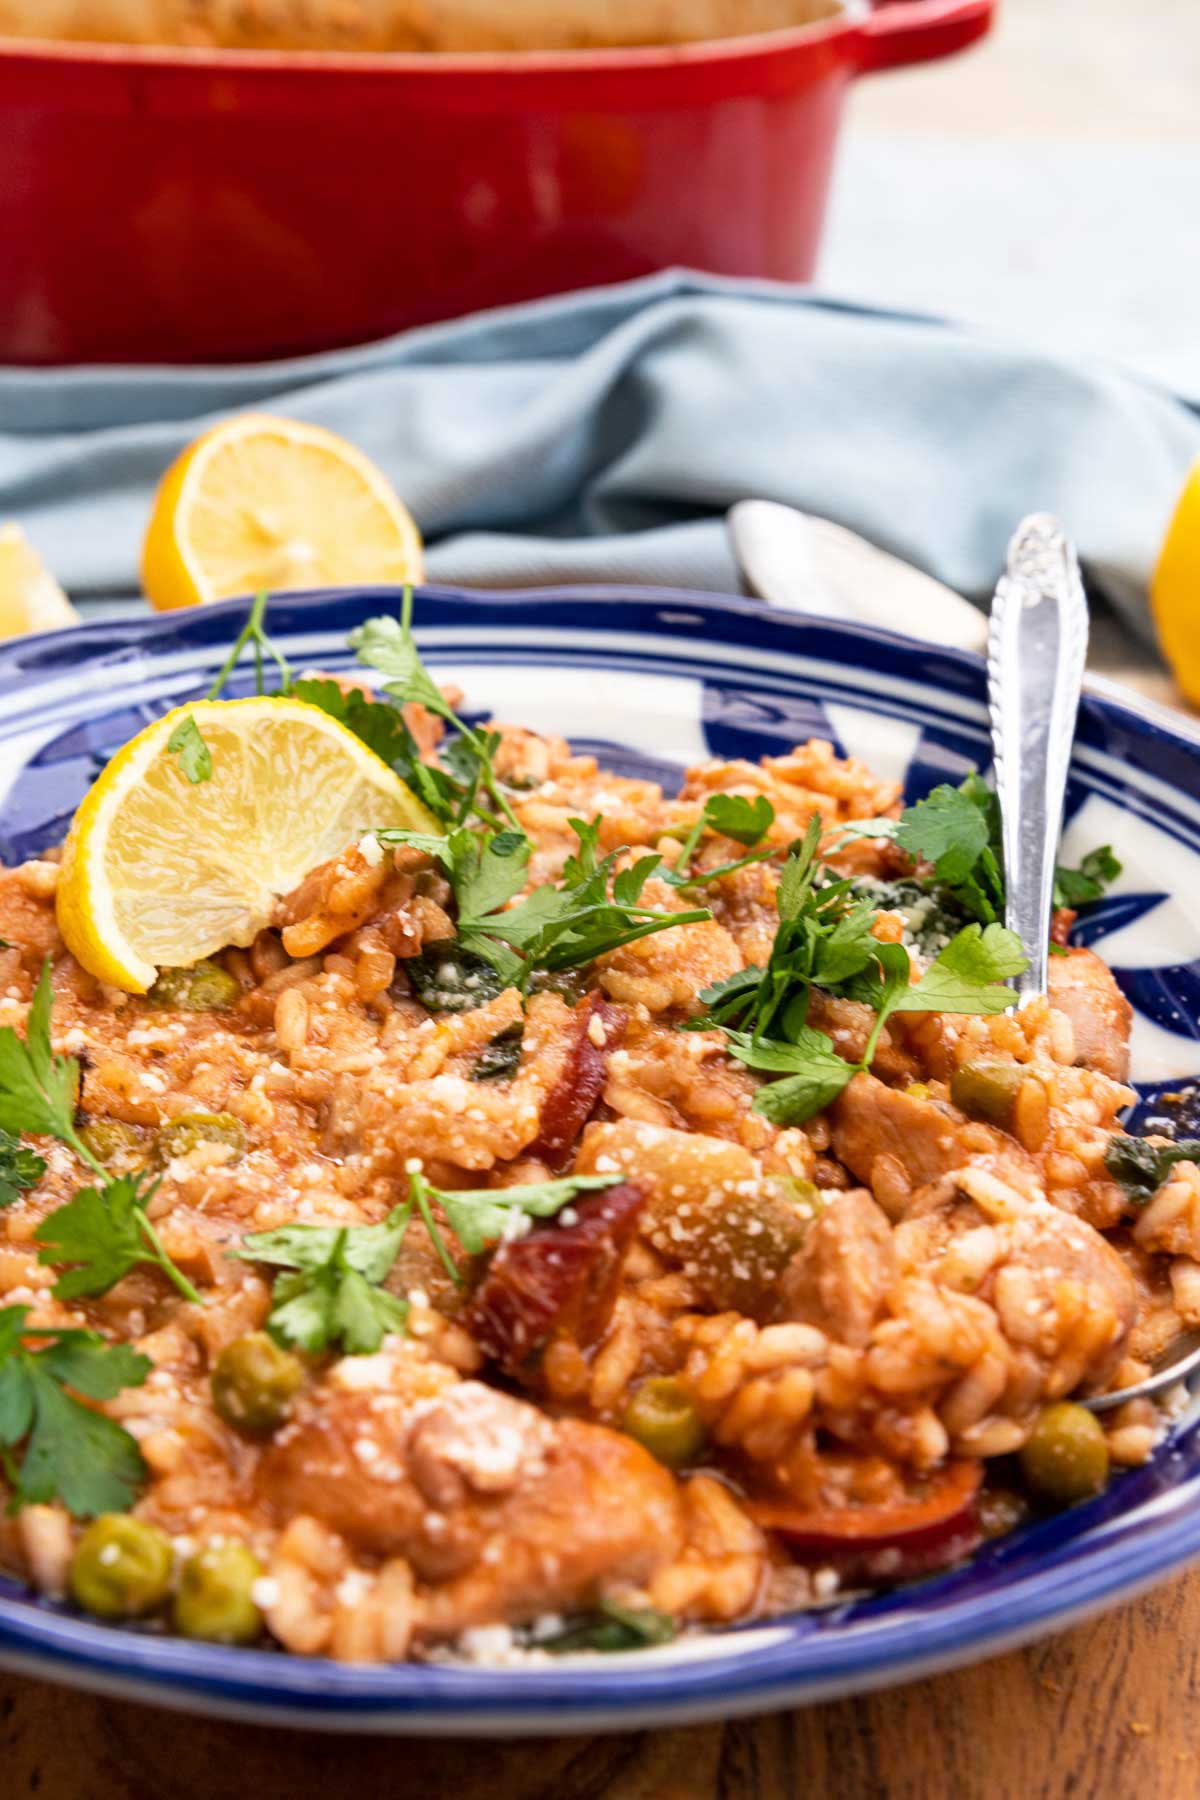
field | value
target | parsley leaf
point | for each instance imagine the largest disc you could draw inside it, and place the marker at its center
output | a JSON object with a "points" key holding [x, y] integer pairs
{"points": [[946, 829], [332, 1293], [965, 977], [1079, 887], [187, 743], [20, 1168], [72, 1453], [815, 1073], [611, 1628], [745, 821], [376, 723], [1141, 1168], [382, 727], [479, 1217], [104, 1233], [38, 1090]]}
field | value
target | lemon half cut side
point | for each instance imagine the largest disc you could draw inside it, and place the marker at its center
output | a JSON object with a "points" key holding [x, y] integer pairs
{"points": [[158, 871], [263, 502]]}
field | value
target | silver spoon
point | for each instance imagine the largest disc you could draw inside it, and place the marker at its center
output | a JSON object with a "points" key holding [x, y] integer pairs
{"points": [[1037, 646]]}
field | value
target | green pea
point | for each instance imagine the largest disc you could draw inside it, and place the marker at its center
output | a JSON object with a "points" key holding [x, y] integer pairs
{"points": [[110, 1139], [121, 1568], [205, 987], [215, 1597], [254, 1382], [665, 1422], [181, 1135], [1065, 1456]]}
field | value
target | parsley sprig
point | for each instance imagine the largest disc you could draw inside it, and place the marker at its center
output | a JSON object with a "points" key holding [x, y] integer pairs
{"points": [[102, 1229], [253, 633], [103, 1233], [388, 645], [560, 925], [332, 1291], [957, 831], [825, 943], [71, 1453]]}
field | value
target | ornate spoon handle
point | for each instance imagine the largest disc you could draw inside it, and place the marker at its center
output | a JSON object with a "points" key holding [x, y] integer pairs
{"points": [[1037, 646]]}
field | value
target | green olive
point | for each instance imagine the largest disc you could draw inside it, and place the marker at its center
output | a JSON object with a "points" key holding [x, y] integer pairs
{"points": [[109, 1139], [205, 987], [665, 1422], [987, 1089], [184, 1133], [1065, 1456], [215, 1597], [254, 1382], [121, 1568], [1004, 1093]]}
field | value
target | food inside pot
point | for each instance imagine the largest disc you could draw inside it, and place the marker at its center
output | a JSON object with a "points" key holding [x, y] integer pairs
{"points": [[404, 25]]}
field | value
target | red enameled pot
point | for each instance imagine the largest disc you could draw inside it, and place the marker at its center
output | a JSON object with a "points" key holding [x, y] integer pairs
{"points": [[188, 206]]}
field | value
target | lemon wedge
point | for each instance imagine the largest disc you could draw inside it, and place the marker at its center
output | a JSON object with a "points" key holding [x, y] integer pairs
{"points": [[260, 502], [30, 598], [160, 870], [1175, 589]]}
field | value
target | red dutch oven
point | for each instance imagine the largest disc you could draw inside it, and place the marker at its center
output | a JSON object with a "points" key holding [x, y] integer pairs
{"points": [[185, 206]]}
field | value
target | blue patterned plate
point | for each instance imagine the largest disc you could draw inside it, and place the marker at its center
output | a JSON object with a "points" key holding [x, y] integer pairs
{"points": [[652, 681]]}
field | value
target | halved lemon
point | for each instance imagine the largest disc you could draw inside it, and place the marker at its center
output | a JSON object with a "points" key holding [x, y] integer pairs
{"points": [[260, 502], [159, 871], [1175, 589], [30, 598]]}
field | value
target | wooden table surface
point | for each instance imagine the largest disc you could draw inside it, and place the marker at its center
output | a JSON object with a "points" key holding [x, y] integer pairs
{"points": [[1103, 1712]]}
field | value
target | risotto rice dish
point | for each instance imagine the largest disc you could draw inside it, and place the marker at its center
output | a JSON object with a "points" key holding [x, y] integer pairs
{"points": [[576, 1215]]}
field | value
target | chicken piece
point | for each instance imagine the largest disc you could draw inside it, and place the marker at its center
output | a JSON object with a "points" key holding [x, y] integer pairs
{"points": [[1064, 1300], [669, 968], [839, 1279], [849, 1023], [1084, 988], [898, 1142], [501, 1512]]}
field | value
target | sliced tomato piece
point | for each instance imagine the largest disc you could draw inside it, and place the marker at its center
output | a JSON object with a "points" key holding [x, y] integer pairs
{"points": [[933, 1528], [599, 1028]]}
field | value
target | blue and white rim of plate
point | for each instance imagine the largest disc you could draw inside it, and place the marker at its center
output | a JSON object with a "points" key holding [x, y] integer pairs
{"points": [[681, 676]]}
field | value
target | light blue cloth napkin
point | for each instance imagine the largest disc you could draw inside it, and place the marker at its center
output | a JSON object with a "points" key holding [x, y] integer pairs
{"points": [[601, 436]]}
